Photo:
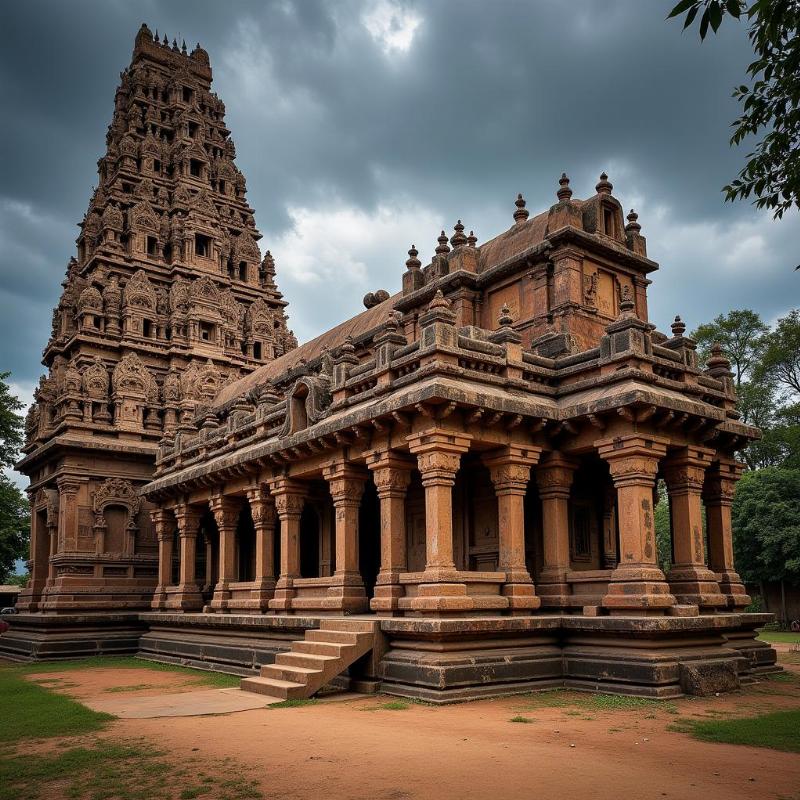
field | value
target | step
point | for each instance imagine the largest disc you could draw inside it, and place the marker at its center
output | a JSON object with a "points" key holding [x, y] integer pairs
{"points": [[331, 649], [308, 660], [302, 675], [349, 625], [284, 690], [339, 637]]}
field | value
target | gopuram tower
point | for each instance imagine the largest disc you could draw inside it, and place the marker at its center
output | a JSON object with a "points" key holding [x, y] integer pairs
{"points": [[166, 300]]}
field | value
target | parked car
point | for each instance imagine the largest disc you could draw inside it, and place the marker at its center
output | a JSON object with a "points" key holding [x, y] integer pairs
{"points": [[8, 610]]}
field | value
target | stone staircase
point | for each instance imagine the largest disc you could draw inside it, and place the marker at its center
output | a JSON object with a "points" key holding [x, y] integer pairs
{"points": [[314, 661]]}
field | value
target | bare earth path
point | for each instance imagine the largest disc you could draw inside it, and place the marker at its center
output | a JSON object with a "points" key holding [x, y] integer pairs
{"points": [[359, 749]]}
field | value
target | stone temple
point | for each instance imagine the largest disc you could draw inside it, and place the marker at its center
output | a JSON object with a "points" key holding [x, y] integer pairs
{"points": [[449, 495]]}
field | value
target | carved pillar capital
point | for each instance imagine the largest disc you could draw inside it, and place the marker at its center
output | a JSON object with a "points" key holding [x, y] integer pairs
{"points": [[345, 482], [262, 507], [632, 460], [188, 519], [164, 522], [510, 467], [720, 483], [289, 496], [554, 475], [684, 470], [225, 510], [438, 455]]}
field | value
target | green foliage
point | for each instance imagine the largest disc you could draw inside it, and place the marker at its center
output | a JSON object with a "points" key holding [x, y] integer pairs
{"points": [[10, 424], [781, 358], [766, 525], [15, 524], [779, 730], [770, 106], [741, 335], [19, 580], [14, 510], [663, 528]]}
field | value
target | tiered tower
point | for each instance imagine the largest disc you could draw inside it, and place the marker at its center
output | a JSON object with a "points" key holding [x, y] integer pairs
{"points": [[167, 300]]}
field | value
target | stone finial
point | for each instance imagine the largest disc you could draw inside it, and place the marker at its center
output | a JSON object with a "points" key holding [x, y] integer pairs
{"points": [[458, 239], [183, 48], [443, 248], [522, 213], [604, 185], [439, 301], [175, 46], [165, 41], [472, 239], [678, 327], [717, 361], [633, 225], [505, 319], [412, 262], [564, 192]]}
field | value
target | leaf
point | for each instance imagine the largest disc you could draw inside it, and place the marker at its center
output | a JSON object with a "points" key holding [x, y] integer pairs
{"points": [[683, 6], [690, 18], [704, 25]]}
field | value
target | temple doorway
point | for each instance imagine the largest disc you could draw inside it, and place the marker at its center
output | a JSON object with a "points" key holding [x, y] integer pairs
{"points": [[369, 537]]}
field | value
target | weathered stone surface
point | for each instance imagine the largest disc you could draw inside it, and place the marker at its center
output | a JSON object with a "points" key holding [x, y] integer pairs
{"points": [[704, 678]]}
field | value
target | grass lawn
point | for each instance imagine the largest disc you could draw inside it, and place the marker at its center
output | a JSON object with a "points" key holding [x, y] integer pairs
{"points": [[779, 637], [97, 766], [779, 730]]}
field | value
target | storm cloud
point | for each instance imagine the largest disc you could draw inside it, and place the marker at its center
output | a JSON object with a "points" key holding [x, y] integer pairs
{"points": [[364, 126]]}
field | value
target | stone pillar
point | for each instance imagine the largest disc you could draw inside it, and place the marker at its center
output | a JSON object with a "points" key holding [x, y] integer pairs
{"points": [[718, 493], [262, 509], [289, 498], [226, 515], [164, 524], [510, 470], [438, 458], [637, 586], [690, 580], [68, 489], [554, 480], [188, 597], [391, 474], [346, 484]]}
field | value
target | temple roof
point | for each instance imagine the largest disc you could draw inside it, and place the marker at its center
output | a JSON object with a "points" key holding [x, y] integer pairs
{"points": [[330, 340]]}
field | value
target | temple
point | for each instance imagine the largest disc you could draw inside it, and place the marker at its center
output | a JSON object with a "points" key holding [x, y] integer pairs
{"points": [[449, 495]]}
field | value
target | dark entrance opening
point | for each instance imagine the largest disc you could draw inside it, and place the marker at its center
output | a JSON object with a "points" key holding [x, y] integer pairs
{"points": [[369, 537], [309, 542]]}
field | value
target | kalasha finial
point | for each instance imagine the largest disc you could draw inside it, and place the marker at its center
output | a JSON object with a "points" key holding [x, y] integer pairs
{"points": [[521, 214], [717, 361], [505, 319], [442, 249], [603, 186], [678, 327], [472, 239], [458, 239], [165, 41], [413, 262], [633, 226], [183, 47], [564, 192]]}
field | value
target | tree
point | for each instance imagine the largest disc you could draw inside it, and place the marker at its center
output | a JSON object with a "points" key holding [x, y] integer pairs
{"points": [[781, 357], [10, 424], [770, 105], [663, 526], [766, 526], [14, 527], [14, 511], [741, 333]]}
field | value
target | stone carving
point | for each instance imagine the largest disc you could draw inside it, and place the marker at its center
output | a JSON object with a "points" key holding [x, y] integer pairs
{"points": [[95, 380], [139, 292], [133, 378]]}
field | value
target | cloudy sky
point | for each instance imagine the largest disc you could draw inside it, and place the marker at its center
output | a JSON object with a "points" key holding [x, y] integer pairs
{"points": [[363, 126]]}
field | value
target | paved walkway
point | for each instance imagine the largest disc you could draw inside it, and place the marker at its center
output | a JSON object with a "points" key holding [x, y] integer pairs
{"points": [[182, 704]]}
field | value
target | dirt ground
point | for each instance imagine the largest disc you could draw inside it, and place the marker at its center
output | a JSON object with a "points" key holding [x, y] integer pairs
{"points": [[570, 748]]}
